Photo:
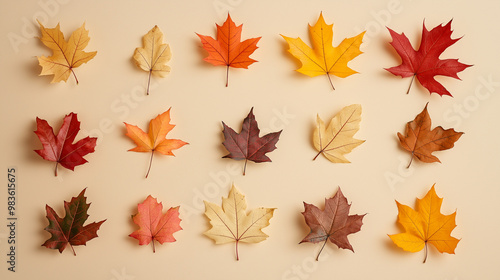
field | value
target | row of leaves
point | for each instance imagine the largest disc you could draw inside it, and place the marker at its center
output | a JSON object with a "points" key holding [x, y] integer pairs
{"points": [[231, 222], [228, 50], [333, 140]]}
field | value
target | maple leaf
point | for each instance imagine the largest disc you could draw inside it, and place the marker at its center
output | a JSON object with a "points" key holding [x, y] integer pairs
{"points": [[323, 58], [231, 223], [336, 139], [154, 140], [247, 144], [65, 55], [60, 148], [70, 229], [425, 225], [154, 55], [153, 224], [228, 49], [424, 63], [421, 141], [333, 223]]}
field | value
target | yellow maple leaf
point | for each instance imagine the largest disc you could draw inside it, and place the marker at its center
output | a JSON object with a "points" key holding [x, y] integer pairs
{"points": [[154, 55], [65, 55], [336, 139], [426, 225], [231, 223], [323, 58]]}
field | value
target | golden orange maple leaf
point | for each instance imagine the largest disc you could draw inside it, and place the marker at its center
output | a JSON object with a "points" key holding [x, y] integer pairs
{"points": [[425, 225], [323, 58], [154, 140], [66, 55]]}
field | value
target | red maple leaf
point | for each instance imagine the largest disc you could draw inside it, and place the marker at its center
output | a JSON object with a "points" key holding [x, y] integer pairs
{"points": [[333, 223], [247, 144], [60, 148], [228, 49], [153, 224], [425, 63], [70, 229]]}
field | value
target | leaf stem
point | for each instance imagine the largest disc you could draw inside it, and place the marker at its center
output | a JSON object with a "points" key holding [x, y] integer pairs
{"points": [[149, 81], [227, 75], [237, 255], [55, 171], [245, 167], [411, 160], [150, 163], [412, 78], [317, 154], [425, 250], [74, 75], [330, 79], [153, 241], [317, 257], [72, 249]]}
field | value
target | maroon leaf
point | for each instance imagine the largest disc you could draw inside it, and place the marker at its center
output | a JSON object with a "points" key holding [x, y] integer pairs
{"points": [[60, 148], [247, 144], [70, 229], [333, 223]]}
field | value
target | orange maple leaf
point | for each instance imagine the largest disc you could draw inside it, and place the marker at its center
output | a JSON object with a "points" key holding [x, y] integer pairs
{"points": [[425, 225], [228, 49], [154, 140]]}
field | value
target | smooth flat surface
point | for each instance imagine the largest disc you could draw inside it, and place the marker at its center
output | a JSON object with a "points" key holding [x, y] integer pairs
{"points": [[111, 91]]}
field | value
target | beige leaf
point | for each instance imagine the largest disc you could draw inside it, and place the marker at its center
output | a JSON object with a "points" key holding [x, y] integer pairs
{"points": [[336, 139], [231, 223], [154, 55]]}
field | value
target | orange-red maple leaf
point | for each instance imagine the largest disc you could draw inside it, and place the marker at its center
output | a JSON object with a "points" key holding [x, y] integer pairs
{"points": [[154, 140], [228, 49], [153, 224]]}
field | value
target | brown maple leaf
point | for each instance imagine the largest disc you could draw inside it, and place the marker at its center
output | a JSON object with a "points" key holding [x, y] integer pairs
{"points": [[421, 141], [333, 223]]}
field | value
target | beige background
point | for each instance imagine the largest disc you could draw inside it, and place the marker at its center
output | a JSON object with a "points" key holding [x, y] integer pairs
{"points": [[111, 92]]}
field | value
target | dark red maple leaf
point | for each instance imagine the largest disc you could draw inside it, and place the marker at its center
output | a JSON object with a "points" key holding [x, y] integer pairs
{"points": [[70, 229], [247, 144], [333, 223], [60, 148], [425, 63]]}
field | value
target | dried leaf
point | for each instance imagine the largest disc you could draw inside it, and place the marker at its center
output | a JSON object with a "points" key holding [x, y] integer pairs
{"points": [[228, 49], [425, 225], [153, 56], [153, 224], [323, 58], [60, 148], [231, 223], [336, 139], [70, 229], [65, 55], [333, 223]]}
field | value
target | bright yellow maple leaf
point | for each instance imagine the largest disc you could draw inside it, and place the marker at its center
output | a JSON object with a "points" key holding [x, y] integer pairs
{"points": [[66, 55], [323, 58], [154, 55], [154, 140], [231, 223], [426, 225], [337, 139]]}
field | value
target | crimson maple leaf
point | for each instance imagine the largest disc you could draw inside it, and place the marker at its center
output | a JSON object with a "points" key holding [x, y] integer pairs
{"points": [[425, 63], [70, 229], [247, 144], [228, 49], [333, 223], [153, 224], [60, 148]]}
